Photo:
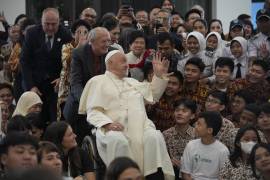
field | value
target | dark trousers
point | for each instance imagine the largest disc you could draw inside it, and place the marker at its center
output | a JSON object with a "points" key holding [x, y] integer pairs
{"points": [[156, 176], [49, 99], [17, 86]]}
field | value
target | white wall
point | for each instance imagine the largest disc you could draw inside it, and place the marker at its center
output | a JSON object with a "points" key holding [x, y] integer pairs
{"points": [[227, 10], [12, 8]]}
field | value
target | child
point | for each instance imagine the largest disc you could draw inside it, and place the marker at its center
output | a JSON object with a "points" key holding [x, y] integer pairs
{"points": [[224, 67], [217, 101], [196, 44], [248, 117], [204, 157], [239, 51], [177, 137], [214, 45], [264, 120]]}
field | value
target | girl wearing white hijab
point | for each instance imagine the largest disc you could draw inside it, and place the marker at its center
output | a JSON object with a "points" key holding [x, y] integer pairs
{"points": [[196, 45], [29, 102], [214, 50], [214, 44], [238, 49]]}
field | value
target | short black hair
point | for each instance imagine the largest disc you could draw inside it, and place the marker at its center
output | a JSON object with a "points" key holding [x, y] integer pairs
{"points": [[110, 23], [78, 23], [17, 138], [220, 95], [196, 61], [178, 75], [244, 94], [136, 34], [177, 13], [119, 165], [6, 86], [225, 61], [202, 21], [213, 120], [242, 17], [254, 108], [188, 103], [262, 63], [164, 36], [47, 147], [35, 120], [265, 108], [192, 11], [18, 123]]}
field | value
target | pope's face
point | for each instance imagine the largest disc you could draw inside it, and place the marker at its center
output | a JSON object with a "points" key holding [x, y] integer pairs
{"points": [[118, 65]]}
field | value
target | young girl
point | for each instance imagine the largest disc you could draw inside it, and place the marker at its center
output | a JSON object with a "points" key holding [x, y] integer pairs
{"points": [[238, 49], [214, 44], [196, 45], [200, 25], [238, 164], [260, 161], [236, 29], [29, 102], [215, 25]]}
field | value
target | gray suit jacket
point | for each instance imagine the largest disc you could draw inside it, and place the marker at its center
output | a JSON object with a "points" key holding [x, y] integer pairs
{"points": [[82, 69]]}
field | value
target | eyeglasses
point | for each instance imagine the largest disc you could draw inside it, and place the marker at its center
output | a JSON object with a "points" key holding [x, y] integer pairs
{"points": [[81, 32], [212, 100]]}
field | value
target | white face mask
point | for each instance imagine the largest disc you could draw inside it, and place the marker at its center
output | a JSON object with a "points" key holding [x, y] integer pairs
{"points": [[247, 146]]}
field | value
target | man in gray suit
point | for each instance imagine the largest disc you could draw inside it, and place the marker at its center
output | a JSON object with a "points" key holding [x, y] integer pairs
{"points": [[87, 61]]}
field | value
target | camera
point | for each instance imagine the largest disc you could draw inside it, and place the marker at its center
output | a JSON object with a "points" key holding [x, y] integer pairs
{"points": [[158, 23]]}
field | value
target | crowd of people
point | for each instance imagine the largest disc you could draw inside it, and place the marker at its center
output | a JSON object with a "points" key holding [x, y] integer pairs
{"points": [[160, 95]]}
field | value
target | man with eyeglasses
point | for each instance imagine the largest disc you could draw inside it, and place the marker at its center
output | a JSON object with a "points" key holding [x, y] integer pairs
{"points": [[217, 101], [87, 62]]}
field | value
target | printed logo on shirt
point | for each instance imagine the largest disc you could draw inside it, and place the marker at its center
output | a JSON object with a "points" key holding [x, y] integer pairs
{"points": [[198, 158]]}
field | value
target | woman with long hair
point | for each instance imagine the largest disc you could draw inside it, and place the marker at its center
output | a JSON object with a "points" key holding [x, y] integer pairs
{"points": [[260, 161], [238, 163], [76, 161]]}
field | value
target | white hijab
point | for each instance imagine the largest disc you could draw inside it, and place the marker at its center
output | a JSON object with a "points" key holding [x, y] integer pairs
{"points": [[202, 43], [26, 101], [220, 46], [243, 42]]}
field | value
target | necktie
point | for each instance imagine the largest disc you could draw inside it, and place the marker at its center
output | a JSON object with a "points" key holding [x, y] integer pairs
{"points": [[238, 72], [48, 43]]}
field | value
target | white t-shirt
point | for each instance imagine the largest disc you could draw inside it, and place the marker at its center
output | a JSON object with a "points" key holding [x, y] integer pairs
{"points": [[203, 162]]}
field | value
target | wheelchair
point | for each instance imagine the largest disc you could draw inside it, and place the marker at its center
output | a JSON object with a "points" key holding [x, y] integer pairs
{"points": [[89, 145], [87, 140]]}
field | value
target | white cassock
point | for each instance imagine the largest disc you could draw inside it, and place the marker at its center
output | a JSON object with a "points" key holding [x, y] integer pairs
{"points": [[108, 99]]}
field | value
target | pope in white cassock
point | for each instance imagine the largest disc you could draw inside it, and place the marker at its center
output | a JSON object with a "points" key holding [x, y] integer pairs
{"points": [[115, 104]]}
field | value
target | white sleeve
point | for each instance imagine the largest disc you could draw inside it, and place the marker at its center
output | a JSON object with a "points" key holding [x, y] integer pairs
{"points": [[224, 156], [97, 117], [181, 65], [186, 163], [252, 49]]}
